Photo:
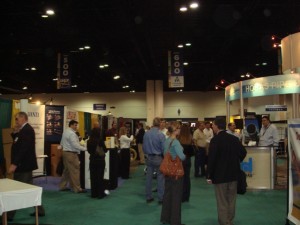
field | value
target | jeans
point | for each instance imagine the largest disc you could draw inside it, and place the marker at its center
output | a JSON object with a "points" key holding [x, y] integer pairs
{"points": [[153, 163]]}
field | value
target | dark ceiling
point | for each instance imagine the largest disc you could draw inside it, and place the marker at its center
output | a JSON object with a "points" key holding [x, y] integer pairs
{"points": [[228, 37]]}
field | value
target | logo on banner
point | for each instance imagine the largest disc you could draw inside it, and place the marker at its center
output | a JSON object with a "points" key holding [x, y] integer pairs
{"points": [[176, 77], [64, 75]]}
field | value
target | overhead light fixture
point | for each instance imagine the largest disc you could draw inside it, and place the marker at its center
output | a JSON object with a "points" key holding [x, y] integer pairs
{"points": [[50, 12], [224, 82], [32, 68], [27, 69], [217, 87], [194, 5], [44, 16], [180, 46], [25, 88], [55, 79], [116, 77], [132, 91], [87, 47], [125, 86], [74, 86], [30, 97], [101, 66], [264, 64], [81, 48], [185, 63], [183, 9], [106, 65], [179, 90], [188, 44]]}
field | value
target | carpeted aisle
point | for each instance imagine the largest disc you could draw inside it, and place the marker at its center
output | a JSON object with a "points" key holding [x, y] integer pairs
{"points": [[127, 206]]}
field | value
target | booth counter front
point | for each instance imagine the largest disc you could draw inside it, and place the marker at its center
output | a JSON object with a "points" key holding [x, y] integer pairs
{"points": [[259, 165]]}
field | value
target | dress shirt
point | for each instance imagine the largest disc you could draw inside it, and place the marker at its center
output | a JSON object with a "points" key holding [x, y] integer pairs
{"points": [[268, 136], [70, 141], [234, 134], [153, 142], [200, 138], [209, 134], [125, 141]]}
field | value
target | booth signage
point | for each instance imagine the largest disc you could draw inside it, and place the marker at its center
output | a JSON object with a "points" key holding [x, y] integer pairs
{"points": [[276, 108], [99, 106], [272, 85], [176, 78]]}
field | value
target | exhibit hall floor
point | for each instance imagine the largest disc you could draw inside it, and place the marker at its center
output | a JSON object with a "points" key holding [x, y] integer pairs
{"points": [[126, 205]]}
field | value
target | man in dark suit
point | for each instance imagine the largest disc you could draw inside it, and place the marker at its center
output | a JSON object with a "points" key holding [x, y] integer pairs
{"points": [[23, 156], [225, 154]]}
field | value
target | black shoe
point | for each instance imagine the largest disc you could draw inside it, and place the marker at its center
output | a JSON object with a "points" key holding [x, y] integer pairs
{"points": [[65, 189], [150, 200], [102, 196], [40, 214], [154, 190]]}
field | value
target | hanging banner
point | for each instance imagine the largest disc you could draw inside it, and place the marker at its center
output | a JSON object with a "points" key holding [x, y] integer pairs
{"points": [[54, 121], [294, 170], [63, 71], [175, 70], [36, 118]]}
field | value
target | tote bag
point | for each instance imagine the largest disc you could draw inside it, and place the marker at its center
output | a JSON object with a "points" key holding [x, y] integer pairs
{"points": [[171, 167]]}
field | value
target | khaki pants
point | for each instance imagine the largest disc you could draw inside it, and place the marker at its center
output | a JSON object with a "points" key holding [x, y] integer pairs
{"points": [[71, 172], [226, 198], [141, 153]]}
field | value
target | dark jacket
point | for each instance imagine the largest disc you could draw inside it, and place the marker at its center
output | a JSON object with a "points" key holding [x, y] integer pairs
{"points": [[91, 148], [23, 150], [225, 154], [140, 135]]}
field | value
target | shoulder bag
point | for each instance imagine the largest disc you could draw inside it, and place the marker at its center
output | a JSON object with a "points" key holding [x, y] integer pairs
{"points": [[170, 167]]}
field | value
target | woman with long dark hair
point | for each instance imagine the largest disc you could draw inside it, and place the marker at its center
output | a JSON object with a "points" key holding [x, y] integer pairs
{"points": [[186, 140], [97, 149]]}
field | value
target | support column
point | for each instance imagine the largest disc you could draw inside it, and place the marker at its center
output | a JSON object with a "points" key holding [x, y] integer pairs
{"points": [[159, 99], [150, 100]]}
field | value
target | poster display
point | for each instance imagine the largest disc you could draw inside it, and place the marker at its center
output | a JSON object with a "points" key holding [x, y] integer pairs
{"points": [[36, 118], [54, 123], [294, 170]]}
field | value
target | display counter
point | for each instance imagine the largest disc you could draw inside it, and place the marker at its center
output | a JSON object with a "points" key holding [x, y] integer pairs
{"points": [[110, 171], [259, 165]]}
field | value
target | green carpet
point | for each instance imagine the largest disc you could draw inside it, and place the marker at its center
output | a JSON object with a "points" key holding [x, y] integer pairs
{"points": [[127, 206]]}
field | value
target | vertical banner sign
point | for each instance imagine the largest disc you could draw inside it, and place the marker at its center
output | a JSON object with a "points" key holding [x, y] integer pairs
{"points": [[36, 118], [294, 170], [63, 71], [54, 121], [175, 70]]}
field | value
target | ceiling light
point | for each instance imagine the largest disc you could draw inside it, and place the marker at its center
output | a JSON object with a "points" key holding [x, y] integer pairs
{"points": [[257, 64], [185, 63], [24, 88], [87, 47], [194, 5], [81, 48], [32, 68], [44, 16], [180, 90], [243, 75], [188, 44], [55, 79], [125, 86], [0, 80], [106, 65], [180, 46], [264, 64], [74, 86], [50, 12], [116, 77], [26, 68], [101, 66], [132, 91], [183, 8]]}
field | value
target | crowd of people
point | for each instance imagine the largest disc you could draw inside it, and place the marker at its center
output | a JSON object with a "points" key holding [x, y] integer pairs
{"points": [[217, 153]]}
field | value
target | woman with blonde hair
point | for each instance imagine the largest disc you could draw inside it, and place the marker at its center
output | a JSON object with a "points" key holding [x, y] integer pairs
{"points": [[125, 152], [186, 140], [171, 205]]}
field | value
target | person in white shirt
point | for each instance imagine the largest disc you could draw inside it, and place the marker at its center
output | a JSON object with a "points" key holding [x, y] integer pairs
{"points": [[71, 148], [208, 131], [163, 128], [125, 152], [231, 130], [268, 135]]}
